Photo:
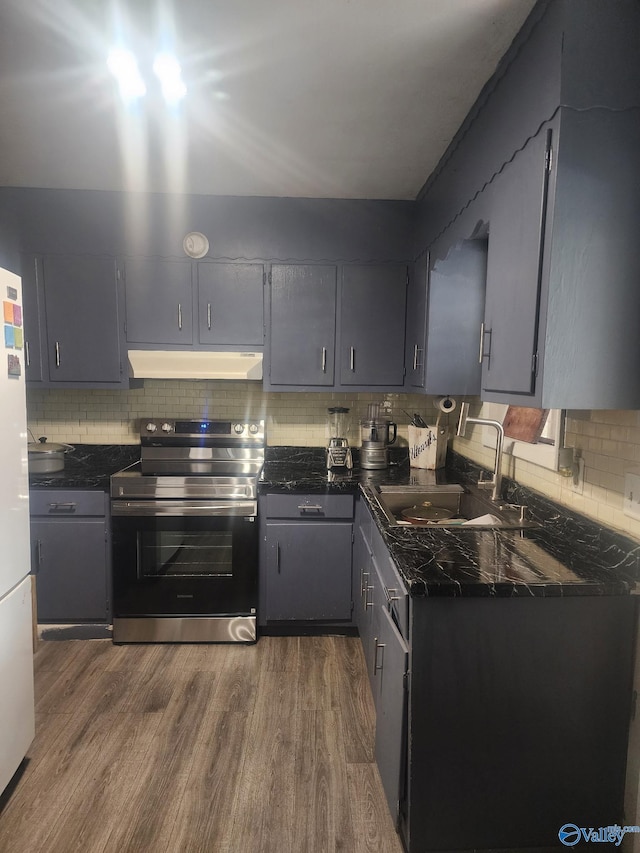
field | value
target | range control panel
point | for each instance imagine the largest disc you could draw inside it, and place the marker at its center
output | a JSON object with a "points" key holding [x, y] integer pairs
{"points": [[158, 428]]}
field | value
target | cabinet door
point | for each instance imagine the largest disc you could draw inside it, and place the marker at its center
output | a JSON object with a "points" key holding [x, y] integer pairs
{"points": [[83, 334], [33, 319], [514, 268], [390, 691], [373, 319], [231, 303], [456, 306], [373, 602], [159, 301], [303, 325], [416, 324], [361, 575], [309, 571], [70, 564]]}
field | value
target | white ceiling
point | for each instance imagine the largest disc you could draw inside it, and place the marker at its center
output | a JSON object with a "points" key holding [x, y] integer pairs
{"points": [[318, 98]]}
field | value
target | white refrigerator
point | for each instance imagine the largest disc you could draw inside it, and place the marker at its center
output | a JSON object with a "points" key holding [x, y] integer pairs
{"points": [[17, 718]]}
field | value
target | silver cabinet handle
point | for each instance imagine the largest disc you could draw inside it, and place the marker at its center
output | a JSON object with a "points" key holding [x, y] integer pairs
{"points": [[352, 358], [209, 315], [324, 359], [63, 507], [363, 582], [27, 356], [38, 556], [57, 354], [390, 597], [483, 354], [367, 603], [278, 556], [179, 316], [415, 356], [311, 508], [376, 666]]}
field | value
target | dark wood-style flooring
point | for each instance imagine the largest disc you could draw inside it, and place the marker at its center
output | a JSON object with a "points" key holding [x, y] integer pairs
{"points": [[219, 749]]}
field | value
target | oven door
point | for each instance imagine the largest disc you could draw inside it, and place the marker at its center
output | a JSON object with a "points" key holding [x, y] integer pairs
{"points": [[171, 558]]}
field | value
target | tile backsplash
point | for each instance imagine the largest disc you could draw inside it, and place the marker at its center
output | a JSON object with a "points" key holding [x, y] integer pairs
{"points": [[609, 441], [111, 417]]}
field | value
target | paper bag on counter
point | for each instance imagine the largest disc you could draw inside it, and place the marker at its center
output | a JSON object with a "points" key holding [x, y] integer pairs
{"points": [[427, 447]]}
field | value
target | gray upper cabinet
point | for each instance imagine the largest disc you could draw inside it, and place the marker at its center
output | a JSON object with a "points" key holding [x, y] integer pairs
{"points": [[159, 301], [445, 307], [231, 304], [372, 313], [510, 340], [83, 330], [456, 302], [33, 319], [416, 324], [302, 325]]}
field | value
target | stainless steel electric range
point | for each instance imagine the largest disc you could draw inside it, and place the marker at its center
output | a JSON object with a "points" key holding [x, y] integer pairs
{"points": [[185, 533]]}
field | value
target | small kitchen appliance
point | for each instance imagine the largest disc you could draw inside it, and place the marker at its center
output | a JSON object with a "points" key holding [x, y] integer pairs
{"points": [[377, 434], [185, 533], [339, 459]]}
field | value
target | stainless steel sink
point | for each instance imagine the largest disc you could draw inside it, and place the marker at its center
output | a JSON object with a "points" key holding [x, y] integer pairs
{"points": [[466, 503]]}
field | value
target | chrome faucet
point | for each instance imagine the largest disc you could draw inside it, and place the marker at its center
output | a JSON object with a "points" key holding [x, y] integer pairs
{"points": [[495, 482]]}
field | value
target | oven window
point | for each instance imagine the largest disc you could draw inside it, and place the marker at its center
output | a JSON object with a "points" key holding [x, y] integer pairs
{"points": [[175, 553]]}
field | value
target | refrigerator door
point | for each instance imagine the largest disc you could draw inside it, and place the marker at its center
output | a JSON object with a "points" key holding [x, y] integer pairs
{"points": [[15, 560], [17, 722], [16, 644]]}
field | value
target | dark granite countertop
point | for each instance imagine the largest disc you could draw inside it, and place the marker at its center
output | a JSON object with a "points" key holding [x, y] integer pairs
{"points": [[568, 554], [88, 466]]}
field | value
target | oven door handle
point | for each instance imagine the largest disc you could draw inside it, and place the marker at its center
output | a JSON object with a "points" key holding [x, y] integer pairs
{"points": [[246, 509]]}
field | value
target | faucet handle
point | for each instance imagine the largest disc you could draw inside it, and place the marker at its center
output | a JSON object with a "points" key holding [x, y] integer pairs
{"points": [[485, 484]]}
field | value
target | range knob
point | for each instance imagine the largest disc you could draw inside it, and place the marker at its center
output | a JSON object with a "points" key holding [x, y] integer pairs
{"points": [[167, 427], [253, 428], [151, 427], [238, 428]]}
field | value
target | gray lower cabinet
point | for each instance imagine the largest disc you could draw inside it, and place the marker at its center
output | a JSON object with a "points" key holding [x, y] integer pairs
{"points": [[230, 304], [390, 673], [497, 719], [71, 555], [305, 558]]}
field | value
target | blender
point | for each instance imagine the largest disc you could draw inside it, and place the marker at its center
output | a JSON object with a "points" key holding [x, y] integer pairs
{"points": [[338, 451], [376, 434]]}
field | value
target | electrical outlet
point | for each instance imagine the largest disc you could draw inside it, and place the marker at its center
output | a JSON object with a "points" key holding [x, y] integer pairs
{"points": [[631, 505]]}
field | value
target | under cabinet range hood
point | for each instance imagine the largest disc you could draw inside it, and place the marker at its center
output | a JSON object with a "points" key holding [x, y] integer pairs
{"points": [[180, 364]]}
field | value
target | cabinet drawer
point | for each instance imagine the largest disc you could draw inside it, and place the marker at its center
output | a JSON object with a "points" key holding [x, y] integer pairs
{"points": [[65, 503], [310, 507]]}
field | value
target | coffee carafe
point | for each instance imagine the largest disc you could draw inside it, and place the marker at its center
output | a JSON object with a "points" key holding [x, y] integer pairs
{"points": [[338, 451], [376, 436]]}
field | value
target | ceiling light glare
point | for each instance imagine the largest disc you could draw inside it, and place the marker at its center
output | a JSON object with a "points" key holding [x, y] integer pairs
{"points": [[122, 64], [167, 69]]}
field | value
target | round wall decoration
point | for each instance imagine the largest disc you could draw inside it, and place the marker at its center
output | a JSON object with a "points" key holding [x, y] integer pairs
{"points": [[195, 244]]}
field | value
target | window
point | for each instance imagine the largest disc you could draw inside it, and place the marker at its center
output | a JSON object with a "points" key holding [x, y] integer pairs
{"points": [[544, 452]]}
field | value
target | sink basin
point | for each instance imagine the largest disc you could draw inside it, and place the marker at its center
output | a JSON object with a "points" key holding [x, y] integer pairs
{"points": [[464, 503]]}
